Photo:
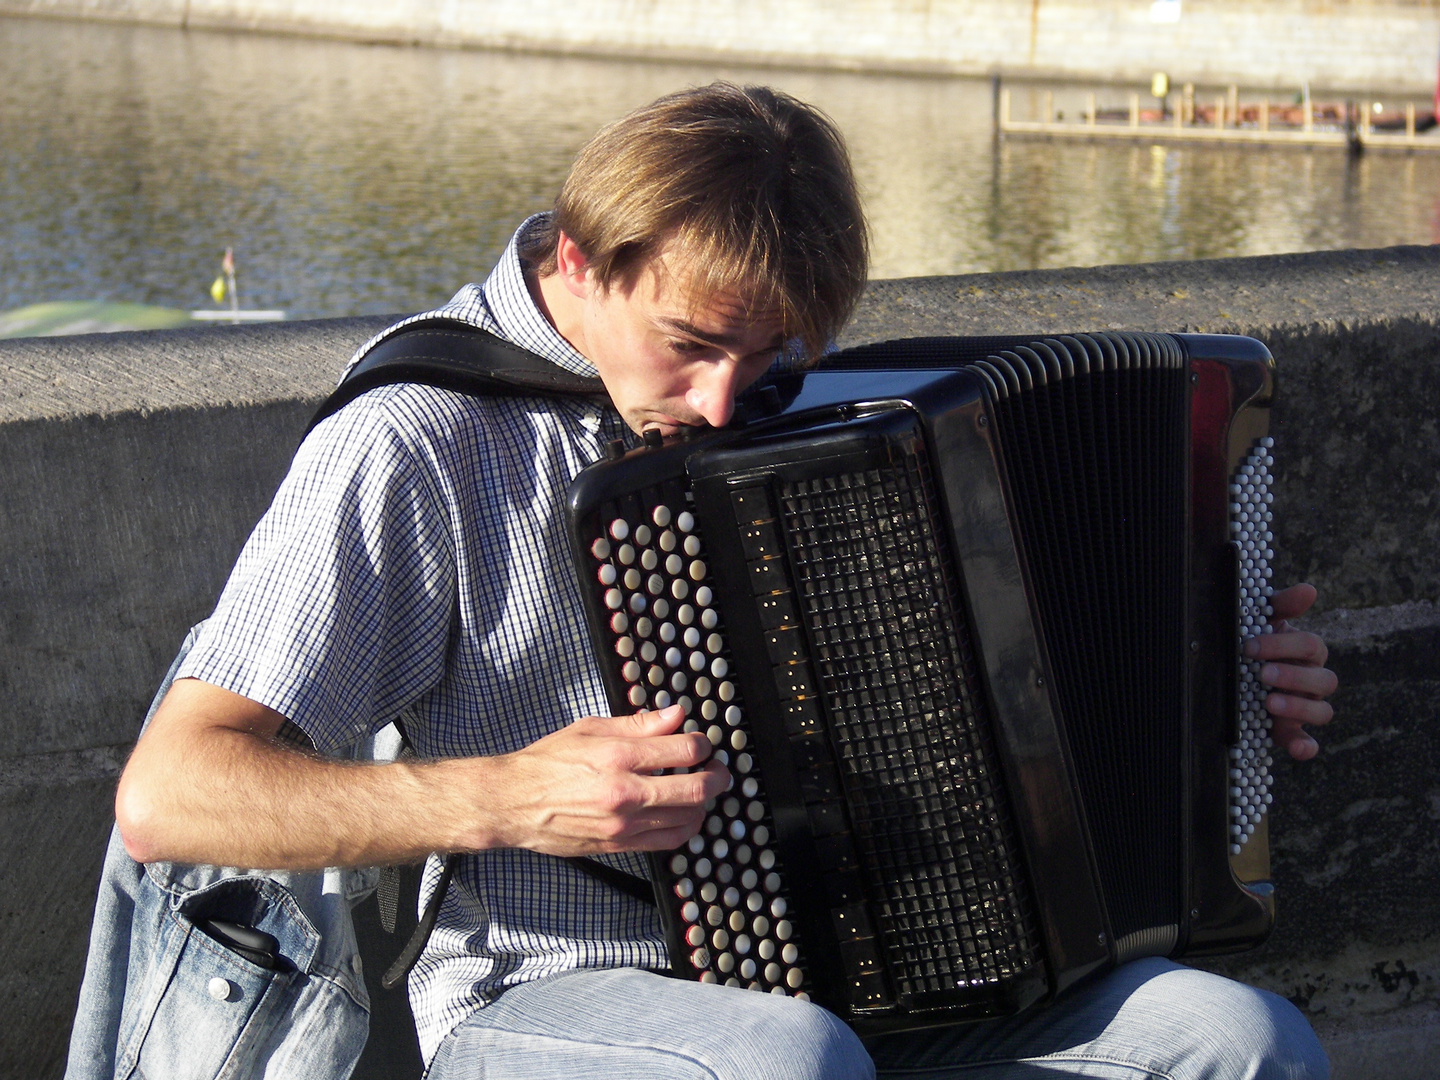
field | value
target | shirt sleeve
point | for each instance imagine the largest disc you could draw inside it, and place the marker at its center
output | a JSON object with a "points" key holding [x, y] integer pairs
{"points": [[338, 613]]}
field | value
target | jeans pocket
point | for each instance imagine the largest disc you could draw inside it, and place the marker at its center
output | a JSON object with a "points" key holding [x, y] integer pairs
{"points": [[207, 1010]]}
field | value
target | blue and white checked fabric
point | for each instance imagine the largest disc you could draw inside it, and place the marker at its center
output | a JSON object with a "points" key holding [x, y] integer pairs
{"points": [[414, 563]]}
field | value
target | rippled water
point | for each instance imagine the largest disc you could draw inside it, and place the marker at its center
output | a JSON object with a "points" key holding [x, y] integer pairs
{"points": [[357, 179]]}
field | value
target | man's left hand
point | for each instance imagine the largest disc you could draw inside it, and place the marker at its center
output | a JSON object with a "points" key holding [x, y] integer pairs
{"points": [[1293, 666]]}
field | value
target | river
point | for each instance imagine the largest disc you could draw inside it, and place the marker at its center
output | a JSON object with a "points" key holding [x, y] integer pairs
{"points": [[363, 179]]}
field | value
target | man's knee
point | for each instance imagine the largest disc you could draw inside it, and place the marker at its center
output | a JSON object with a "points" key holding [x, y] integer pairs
{"points": [[1229, 1029], [795, 1040]]}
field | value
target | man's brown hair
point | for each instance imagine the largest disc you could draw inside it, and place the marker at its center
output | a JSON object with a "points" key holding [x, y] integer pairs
{"points": [[751, 187]]}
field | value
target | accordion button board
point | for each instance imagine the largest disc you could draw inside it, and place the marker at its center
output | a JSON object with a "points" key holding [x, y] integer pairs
{"points": [[725, 885], [856, 603]]}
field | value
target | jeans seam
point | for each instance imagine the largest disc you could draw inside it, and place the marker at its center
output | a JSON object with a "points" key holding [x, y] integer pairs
{"points": [[552, 1037], [1096, 1059]]}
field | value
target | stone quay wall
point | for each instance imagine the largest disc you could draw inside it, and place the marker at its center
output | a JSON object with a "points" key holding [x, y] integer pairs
{"points": [[1382, 46], [132, 467]]}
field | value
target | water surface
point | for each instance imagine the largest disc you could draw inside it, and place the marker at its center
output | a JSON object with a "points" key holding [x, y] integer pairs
{"points": [[358, 179]]}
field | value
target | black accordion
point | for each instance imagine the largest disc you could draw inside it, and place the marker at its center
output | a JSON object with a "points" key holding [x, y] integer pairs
{"points": [[963, 618]]}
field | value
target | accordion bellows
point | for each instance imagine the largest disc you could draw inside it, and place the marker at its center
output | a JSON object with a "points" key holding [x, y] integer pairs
{"points": [[963, 617]]}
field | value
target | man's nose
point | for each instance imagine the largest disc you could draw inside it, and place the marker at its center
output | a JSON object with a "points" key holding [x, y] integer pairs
{"points": [[712, 393]]}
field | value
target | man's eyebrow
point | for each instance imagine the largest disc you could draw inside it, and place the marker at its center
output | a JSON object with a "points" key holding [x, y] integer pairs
{"points": [[689, 329]]}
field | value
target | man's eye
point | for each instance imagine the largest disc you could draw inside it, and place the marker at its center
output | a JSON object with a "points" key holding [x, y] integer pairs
{"points": [[686, 346]]}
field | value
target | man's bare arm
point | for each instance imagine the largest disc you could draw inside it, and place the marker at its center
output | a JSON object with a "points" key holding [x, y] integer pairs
{"points": [[209, 783]]}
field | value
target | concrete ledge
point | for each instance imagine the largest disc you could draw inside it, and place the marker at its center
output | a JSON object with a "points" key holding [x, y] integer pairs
{"points": [[132, 466]]}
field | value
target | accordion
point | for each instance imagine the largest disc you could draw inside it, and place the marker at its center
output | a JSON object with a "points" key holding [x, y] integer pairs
{"points": [[964, 620]]}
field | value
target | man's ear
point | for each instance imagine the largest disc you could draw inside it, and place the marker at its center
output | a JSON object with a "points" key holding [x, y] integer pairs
{"points": [[572, 267]]}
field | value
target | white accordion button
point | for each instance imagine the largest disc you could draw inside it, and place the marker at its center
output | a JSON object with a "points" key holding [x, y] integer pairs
{"points": [[619, 528]]}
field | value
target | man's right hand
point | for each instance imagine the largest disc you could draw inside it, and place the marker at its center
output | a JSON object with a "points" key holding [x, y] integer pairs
{"points": [[605, 784]]}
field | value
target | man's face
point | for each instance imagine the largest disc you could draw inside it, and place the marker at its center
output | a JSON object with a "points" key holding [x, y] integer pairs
{"points": [[669, 363]]}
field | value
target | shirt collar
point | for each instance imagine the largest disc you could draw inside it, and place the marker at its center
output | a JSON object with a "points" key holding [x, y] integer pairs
{"points": [[515, 313]]}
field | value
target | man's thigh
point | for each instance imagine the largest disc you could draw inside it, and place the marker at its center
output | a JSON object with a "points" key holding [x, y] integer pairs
{"points": [[1149, 1019], [626, 1023]]}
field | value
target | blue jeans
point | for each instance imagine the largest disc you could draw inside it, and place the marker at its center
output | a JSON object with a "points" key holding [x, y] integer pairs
{"points": [[1149, 1019]]}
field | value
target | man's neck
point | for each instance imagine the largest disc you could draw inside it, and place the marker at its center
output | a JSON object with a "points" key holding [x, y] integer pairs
{"points": [[561, 308]]}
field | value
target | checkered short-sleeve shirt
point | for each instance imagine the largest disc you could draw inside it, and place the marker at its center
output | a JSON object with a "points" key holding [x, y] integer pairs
{"points": [[415, 561]]}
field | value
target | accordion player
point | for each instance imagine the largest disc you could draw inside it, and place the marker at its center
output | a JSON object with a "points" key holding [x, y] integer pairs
{"points": [[963, 617]]}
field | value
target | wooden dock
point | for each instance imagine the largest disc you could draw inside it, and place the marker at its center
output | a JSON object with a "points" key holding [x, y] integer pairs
{"points": [[1228, 121]]}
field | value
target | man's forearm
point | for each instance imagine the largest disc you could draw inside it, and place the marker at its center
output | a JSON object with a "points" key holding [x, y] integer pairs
{"points": [[209, 783]]}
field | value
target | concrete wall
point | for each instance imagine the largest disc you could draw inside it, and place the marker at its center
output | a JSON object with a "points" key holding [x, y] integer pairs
{"points": [[132, 467], [1380, 45]]}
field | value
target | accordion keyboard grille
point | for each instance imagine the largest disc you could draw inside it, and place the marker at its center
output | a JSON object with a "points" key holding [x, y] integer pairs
{"points": [[906, 715]]}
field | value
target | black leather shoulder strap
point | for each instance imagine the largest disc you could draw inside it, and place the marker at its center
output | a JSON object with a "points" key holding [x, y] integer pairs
{"points": [[457, 356]]}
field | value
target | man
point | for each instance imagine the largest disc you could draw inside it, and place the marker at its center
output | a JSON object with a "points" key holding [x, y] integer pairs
{"points": [[414, 562]]}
